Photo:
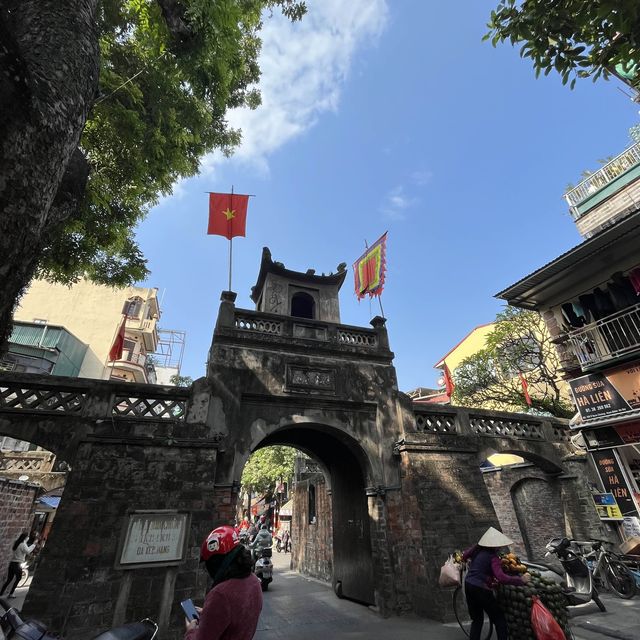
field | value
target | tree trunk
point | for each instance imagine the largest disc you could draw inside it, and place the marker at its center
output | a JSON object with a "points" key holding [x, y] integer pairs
{"points": [[49, 65]]}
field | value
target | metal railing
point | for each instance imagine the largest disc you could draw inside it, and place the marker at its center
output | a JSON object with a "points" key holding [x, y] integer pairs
{"points": [[608, 338], [602, 177]]}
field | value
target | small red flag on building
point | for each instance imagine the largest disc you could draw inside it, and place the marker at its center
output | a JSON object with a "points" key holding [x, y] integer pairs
{"points": [[449, 386], [369, 269], [227, 214], [525, 389], [118, 344]]}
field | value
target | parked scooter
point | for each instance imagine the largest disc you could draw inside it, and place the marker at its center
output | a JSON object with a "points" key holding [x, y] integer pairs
{"points": [[577, 582], [264, 567], [13, 626]]}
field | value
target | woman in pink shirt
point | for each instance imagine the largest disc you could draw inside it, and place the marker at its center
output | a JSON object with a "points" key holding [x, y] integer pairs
{"points": [[232, 607]]}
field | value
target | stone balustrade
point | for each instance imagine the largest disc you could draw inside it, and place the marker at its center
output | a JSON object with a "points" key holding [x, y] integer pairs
{"points": [[97, 399], [493, 424]]}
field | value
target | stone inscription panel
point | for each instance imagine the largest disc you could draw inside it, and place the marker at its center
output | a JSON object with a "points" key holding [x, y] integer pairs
{"points": [[304, 378], [154, 537], [309, 332]]}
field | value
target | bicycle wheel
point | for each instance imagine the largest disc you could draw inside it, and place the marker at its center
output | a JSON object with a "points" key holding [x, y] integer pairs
{"points": [[462, 615], [621, 581]]}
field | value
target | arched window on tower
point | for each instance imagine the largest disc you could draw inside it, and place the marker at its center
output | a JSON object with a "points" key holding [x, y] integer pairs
{"points": [[303, 305], [312, 504]]}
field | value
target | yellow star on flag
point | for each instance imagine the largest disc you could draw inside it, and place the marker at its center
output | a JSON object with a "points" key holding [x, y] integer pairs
{"points": [[229, 213]]}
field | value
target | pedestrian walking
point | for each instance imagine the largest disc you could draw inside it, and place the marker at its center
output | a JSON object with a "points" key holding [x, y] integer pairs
{"points": [[22, 547], [485, 570]]}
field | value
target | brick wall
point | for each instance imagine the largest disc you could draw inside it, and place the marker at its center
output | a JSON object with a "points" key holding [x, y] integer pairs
{"points": [[448, 508], [529, 507], [17, 500], [106, 483], [312, 544], [533, 507]]}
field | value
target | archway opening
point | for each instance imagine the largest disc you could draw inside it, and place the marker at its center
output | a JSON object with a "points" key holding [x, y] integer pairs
{"points": [[303, 305], [329, 523], [32, 482]]}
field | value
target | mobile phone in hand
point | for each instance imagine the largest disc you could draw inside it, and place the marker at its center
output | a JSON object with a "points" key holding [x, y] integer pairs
{"points": [[189, 609]]}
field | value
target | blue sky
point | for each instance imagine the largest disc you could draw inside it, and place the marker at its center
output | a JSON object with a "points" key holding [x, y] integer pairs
{"points": [[390, 116]]}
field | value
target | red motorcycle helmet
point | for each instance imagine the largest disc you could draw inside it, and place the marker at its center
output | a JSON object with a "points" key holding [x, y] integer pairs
{"points": [[219, 542]]}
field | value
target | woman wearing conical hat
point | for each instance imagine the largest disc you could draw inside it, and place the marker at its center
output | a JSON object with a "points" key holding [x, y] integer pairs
{"points": [[485, 568]]}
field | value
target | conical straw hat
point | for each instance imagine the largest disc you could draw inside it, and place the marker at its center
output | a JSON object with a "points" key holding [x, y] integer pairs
{"points": [[493, 538]]}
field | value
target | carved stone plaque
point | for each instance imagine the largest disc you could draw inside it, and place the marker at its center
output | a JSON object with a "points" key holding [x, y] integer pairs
{"points": [[307, 331], [305, 378]]}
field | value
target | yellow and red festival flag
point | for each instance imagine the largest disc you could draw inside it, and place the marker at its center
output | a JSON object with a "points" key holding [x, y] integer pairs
{"points": [[227, 214], [369, 270]]}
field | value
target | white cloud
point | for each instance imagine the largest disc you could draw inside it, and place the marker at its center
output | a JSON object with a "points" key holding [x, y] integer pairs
{"points": [[421, 178], [396, 202], [304, 66]]}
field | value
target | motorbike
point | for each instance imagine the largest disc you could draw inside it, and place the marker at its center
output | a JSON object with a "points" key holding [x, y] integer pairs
{"points": [[264, 567], [13, 626], [577, 582]]}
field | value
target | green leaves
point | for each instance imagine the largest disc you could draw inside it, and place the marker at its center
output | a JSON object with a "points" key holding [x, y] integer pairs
{"points": [[170, 70], [575, 38], [518, 344], [267, 466]]}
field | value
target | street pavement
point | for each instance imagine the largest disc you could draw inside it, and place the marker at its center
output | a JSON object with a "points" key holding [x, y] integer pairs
{"points": [[297, 607]]}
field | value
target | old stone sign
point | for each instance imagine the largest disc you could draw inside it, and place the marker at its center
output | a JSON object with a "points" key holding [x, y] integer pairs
{"points": [[165, 463]]}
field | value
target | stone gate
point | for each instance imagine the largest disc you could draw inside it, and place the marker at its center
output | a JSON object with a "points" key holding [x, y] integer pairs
{"points": [[404, 478]]}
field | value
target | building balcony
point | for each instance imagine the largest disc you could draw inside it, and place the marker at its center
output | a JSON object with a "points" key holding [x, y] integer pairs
{"points": [[139, 365], [605, 195], [612, 338], [147, 328]]}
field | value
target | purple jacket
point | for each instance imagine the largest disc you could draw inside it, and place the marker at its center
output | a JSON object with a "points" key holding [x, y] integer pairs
{"points": [[485, 566]]}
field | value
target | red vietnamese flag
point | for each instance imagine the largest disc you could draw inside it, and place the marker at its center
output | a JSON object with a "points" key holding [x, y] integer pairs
{"points": [[449, 386], [525, 389], [118, 343], [227, 214]]}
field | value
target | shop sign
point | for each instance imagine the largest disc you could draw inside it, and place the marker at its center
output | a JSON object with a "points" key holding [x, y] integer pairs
{"points": [[614, 482], [607, 393], [152, 538], [606, 506], [613, 436]]}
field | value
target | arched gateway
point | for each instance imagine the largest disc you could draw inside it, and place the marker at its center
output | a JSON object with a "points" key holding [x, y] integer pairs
{"points": [[155, 468]]}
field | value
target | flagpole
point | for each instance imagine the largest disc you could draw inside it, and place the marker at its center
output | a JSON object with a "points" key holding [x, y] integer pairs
{"points": [[231, 238]]}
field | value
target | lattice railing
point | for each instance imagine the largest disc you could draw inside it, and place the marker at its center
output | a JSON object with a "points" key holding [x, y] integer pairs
{"points": [[23, 398], [11, 463], [561, 433], [149, 408], [435, 423], [503, 427], [259, 325], [358, 338]]}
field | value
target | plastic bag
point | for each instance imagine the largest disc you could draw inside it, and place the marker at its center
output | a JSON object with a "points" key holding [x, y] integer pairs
{"points": [[543, 623], [450, 574]]}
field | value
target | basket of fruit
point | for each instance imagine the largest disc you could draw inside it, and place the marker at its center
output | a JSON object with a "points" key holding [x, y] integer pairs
{"points": [[516, 601]]}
